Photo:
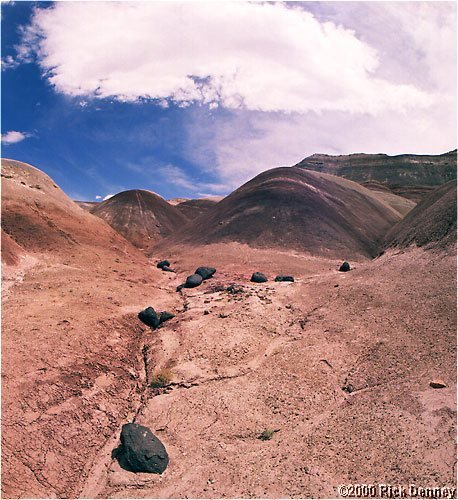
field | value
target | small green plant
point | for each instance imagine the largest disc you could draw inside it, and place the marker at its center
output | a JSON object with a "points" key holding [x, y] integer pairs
{"points": [[267, 434], [161, 379]]}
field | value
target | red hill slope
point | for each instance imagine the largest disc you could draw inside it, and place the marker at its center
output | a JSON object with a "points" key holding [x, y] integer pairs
{"points": [[39, 217], [140, 216], [432, 223], [293, 208]]}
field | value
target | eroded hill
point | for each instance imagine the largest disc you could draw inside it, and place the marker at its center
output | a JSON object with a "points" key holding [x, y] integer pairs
{"points": [[141, 216], [295, 209], [406, 175]]}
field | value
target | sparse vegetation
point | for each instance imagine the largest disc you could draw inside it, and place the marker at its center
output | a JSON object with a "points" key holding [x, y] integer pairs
{"points": [[161, 379], [267, 434]]}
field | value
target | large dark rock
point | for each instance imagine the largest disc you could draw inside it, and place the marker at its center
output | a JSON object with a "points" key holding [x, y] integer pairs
{"points": [[149, 317], [280, 277], [165, 316], [163, 263], [168, 269], [345, 267], [206, 272], [258, 277], [141, 450], [193, 281]]}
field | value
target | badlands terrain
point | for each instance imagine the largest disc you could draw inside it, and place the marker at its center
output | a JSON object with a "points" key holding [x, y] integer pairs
{"points": [[333, 369]]}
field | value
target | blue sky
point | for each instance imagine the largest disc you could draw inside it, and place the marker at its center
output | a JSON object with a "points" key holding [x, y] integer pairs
{"points": [[192, 99]]}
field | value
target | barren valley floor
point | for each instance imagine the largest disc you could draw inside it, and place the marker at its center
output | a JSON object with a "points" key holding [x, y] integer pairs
{"points": [[274, 356]]}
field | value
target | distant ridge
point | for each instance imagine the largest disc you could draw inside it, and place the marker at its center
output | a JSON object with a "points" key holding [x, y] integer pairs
{"points": [[293, 208], [401, 173], [141, 216]]}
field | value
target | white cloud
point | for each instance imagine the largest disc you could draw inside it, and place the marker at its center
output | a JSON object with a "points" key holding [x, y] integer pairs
{"points": [[12, 137], [241, 55], [98, 197]]}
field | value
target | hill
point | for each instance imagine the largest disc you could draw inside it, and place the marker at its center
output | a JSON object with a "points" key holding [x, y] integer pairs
{"points": [[431, 224], [193, 208], [296, 209], [400, 173], [142, 217], [39, 217], [87, 205]]}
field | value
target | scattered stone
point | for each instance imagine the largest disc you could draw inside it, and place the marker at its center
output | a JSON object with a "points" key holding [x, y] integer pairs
{"points": [[205, 272], [348, 388], [345, 267], [141, 450], [281, 277], [149, 317], [258, 278], [222, 315], [438, 384], [206, 312], [193, 281], [180, 287], [233, 289], [163, 263], [167, 269], [165, 316]]}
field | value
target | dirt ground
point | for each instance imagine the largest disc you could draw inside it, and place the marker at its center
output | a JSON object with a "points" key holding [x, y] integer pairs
{"points": [[275, 356]]}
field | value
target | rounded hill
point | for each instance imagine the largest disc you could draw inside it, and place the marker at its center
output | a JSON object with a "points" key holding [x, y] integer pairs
{"points": [[141, 216], [431, 224], [293, 208], [38, 216]]}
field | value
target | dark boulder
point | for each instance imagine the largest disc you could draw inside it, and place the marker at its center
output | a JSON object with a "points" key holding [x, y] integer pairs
{"points": [[258, 278], [206, 272], [180, 287], [284, 278], [165, 316], [345, 267], [163, 263], [141, 450], [193, 281], [168, 269], [149, 317]]}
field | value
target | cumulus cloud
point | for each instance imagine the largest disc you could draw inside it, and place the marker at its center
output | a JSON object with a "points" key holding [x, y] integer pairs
{"points": [[256, 56], [13, 136]]}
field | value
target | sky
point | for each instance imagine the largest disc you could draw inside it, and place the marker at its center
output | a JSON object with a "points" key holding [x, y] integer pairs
{"points": [[192, 99]]}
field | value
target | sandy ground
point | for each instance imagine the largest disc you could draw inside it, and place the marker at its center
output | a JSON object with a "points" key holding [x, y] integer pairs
{"points": [[77, 365]]}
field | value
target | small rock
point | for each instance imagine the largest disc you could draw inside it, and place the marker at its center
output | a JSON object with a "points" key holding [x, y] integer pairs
{"points": [[233, 289], [163, 263], [438, 384], [141, 450], [281, 277], [165, 316], [205, 272], [206, 312], [167, 269], [345, 267], [258, 277], [180, 287], [348, 388], [193, 281], [149, 317]]}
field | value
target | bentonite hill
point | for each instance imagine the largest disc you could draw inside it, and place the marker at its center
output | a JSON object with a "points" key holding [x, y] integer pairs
{"points": [[292, 208], [142, 217], [268, 390]]}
